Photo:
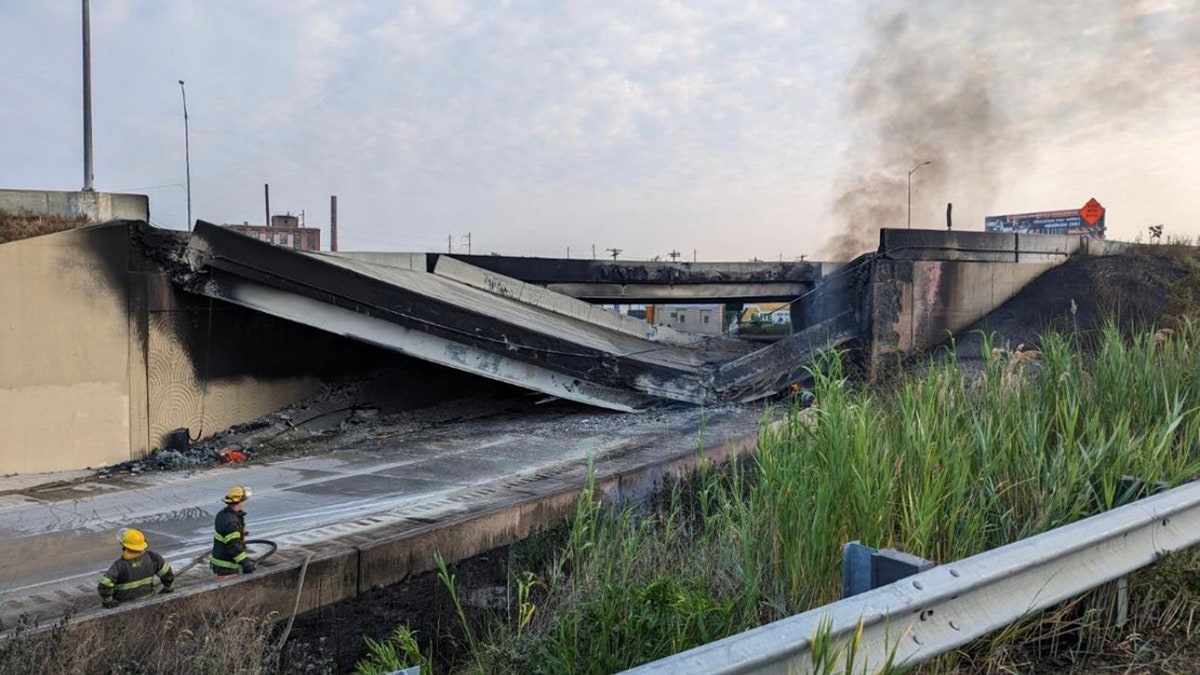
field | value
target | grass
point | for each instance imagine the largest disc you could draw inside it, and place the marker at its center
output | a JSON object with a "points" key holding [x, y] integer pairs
{"points": [[211, 636], [16, 226], [944, 464]]}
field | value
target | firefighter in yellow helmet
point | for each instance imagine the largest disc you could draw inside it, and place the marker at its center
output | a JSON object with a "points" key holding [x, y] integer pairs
{"points": [[229, 539], [132, 577]]}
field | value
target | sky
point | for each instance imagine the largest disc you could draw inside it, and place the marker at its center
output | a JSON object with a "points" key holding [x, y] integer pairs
{"points": [[725, 130]]}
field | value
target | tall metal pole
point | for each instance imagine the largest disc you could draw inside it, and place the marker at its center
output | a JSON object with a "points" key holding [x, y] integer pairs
{"points": [[333, 223], [910, 173], [87, 98], [187, 155]]}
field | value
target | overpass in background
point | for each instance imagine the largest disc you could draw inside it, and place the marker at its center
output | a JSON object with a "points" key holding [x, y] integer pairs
{"points": [[636, 282]]}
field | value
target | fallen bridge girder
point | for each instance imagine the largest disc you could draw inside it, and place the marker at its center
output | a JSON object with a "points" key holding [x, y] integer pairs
{"points": [[425, 346]]}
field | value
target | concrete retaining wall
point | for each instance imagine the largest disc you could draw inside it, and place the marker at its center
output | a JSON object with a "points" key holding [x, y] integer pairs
{"points": [[927, 285], [93, 366], [67, 363], [919, 304], [95, 206]]}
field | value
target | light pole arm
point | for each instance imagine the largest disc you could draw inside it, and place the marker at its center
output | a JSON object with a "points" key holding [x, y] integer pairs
{"points": [[910, 173]]}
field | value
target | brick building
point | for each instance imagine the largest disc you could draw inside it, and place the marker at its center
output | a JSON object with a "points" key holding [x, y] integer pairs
{"points": [[283, 231]]}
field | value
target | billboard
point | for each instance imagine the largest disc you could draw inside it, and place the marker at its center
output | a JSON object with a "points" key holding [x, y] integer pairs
{"points": [[1087, 221]]}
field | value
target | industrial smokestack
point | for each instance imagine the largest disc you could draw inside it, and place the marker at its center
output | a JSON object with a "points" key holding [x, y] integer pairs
{"points": [[267, 199], [333, 223], [949, 208]]}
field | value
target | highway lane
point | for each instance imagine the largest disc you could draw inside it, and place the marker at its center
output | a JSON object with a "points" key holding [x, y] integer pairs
{"points": [[58, 538]]}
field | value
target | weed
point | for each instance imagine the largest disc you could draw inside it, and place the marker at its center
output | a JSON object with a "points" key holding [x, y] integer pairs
{"points": [[943, 464], [395, 652]]}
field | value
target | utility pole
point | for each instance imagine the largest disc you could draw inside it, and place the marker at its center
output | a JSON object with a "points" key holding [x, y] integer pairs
{"points": [[593, 251], [614, 251], [695, 256], [674, 255], [87, 97], [187, 156], [449, 243], [267, 200], [568, 253], [467, 239]]}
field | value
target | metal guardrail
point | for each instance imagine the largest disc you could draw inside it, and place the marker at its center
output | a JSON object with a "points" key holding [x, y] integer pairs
{"points": [[935, 611]]}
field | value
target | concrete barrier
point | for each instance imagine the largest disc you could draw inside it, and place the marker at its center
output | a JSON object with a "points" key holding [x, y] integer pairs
{"points": [[95, 206], [978, 246]]}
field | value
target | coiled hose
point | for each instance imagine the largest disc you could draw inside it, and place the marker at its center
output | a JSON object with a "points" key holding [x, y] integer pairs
{"points": [[272, 547]]}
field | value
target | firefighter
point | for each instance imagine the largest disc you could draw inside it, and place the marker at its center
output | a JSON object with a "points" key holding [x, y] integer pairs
{"points": [[229, 540], [132, 577]]}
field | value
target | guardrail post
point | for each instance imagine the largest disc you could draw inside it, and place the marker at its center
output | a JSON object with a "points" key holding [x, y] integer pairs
{"points": [[865, 568], [856, 569]]}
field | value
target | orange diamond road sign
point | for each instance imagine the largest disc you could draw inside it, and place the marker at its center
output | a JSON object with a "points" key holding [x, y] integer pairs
{"points": [[1091, 212]]}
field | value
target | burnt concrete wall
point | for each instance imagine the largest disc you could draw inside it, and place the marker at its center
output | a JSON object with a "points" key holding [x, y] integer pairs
{"points": [[100, 355], [915, 305], [927, 285]]}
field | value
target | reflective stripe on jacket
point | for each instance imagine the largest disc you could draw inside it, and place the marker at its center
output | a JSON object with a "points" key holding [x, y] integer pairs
{"points": [[133, 578]]}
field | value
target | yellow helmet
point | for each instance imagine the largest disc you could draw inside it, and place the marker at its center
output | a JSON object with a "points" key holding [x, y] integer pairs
{"points": [[237, 494], [132, 539]]}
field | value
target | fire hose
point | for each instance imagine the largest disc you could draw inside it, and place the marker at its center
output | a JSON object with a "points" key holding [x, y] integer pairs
{"points": [[272, 547]]}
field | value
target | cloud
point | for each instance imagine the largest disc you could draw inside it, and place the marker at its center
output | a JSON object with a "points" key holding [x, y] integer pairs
{"points": [[718, 126], [988, 92]]}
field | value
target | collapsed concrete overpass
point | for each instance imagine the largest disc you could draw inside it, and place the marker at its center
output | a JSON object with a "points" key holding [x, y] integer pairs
{"points": [[447, 311]]}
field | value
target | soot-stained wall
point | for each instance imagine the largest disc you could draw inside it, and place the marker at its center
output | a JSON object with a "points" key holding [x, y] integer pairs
{"points": [[916, 305]]}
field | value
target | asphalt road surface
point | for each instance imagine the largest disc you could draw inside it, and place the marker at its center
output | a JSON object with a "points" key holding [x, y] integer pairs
{"points": [[60, 535]]}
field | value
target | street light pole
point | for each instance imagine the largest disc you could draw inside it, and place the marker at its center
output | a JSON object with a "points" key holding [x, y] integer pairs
{"points": [[910, 173], [187, 155], [87, 97]]}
